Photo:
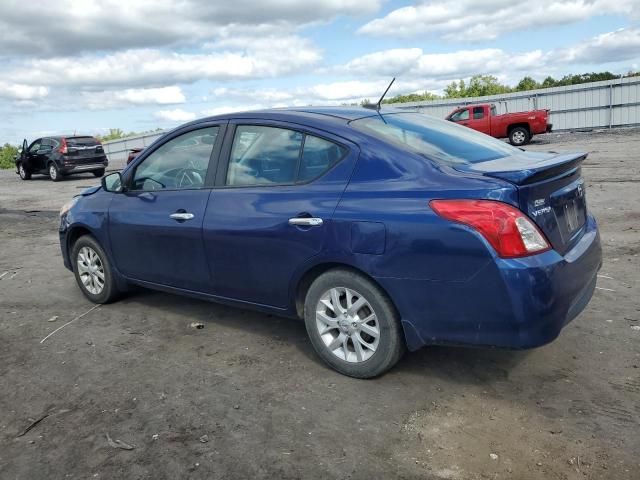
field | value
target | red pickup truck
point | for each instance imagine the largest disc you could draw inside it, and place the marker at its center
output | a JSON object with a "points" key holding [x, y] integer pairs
{"points": [[518, 127]]}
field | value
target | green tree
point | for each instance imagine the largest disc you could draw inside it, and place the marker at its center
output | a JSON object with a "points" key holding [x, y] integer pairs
{"points": [[527, 83], [7, 154]]}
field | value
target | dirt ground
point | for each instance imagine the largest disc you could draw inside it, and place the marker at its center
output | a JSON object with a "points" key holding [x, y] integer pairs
{"points": [[246, 397]]}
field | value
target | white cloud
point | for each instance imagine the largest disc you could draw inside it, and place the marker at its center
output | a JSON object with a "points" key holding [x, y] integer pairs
{"points": [[473, 20], [154, 68], [175, 115], [621, 45], [19, 91], [133, 96], [63, 27]]}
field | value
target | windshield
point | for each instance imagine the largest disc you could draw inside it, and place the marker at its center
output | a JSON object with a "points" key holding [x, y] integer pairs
{"points": [[434, 138]]}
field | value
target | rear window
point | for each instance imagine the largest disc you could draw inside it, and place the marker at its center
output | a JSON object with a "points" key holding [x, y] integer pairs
{"points": [[433, 138], [81, 141]]}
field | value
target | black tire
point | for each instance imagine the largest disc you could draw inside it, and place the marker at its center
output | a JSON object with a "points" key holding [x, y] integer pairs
{"points": [[519, 136], [54, 173], [109, 290], [390, 347], [23, 172], [98, 173]]}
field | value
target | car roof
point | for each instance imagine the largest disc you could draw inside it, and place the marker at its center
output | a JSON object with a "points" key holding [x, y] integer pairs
{"points": [[305, 115]]}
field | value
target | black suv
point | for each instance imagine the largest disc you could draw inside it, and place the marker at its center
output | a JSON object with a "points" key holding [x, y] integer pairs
{"points": [[61, 156]]}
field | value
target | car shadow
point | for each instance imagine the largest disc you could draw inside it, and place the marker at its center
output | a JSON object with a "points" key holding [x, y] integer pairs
{"points": [[461, 364]]}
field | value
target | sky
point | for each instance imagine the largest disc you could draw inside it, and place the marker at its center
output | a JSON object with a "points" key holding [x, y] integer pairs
{"points": [[72, 66]]}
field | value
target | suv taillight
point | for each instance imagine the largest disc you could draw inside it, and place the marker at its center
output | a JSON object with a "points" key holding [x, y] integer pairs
{"points": [[507, 229], [63, 146]]}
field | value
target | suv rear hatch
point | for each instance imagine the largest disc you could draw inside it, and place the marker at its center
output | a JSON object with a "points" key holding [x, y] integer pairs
{"points": [[84, 150], [551, 191]]}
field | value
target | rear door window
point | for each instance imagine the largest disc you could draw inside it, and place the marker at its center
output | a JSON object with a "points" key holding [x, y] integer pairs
{"points": [[263, 155], [478, 113]]}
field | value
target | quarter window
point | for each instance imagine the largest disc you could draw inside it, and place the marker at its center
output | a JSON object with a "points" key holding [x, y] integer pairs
{"points": [[181, 163], [278, 156]]}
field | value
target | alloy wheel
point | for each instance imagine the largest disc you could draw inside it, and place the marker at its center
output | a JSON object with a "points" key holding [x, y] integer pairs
{"points": [[22, 172], [347, 325], [53, 172], [90, 270]]}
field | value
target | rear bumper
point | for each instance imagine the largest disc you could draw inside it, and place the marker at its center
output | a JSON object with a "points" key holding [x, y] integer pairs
{"points": [[68, 167], [511, 303]]}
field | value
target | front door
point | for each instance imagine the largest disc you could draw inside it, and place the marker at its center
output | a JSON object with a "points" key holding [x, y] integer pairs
{"points": [[34, 160], [155, 226], [272, 208]]}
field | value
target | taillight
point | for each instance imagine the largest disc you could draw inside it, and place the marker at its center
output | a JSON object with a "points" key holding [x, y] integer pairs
{"points": [[507, 229], [63, 146]]}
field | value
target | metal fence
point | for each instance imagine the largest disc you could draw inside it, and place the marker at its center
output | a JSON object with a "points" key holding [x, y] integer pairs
{"points": [[608, 104], [118, 150]]}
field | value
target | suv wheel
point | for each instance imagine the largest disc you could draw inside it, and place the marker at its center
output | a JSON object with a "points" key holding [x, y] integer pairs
{"points": [[23, 172], [99, 173], [54, 173], [93, 271], [352, 324]]}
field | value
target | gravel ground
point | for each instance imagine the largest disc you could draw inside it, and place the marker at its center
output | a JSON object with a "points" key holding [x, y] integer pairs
{"points": [[131, 390]]}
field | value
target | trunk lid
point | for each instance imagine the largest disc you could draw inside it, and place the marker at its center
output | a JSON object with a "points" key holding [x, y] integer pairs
{"points": [[551, 191]]}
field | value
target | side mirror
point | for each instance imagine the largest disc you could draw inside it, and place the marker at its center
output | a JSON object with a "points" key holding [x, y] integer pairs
{"points": [[112, 183]]}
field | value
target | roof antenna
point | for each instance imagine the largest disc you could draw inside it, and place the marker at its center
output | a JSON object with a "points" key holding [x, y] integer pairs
{"points": [[379, 104]]}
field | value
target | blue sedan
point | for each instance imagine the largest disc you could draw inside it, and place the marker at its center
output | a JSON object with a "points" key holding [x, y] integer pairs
{"points": [[383, 230]]}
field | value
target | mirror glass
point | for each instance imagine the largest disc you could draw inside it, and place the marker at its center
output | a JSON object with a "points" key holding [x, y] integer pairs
{"points": [[112, 182]]}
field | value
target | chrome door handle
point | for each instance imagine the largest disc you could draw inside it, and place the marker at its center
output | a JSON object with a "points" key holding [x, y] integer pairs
{"points": [[305, 221], [181, 216]]}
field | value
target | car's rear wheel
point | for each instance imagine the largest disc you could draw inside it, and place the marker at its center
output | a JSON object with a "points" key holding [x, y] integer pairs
{"points": [[519, 136], [352, 324], [93, 271], [98, 173], [23, 172], [54, 173]]}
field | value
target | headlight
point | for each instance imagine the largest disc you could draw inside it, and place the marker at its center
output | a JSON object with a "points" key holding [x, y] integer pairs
{"points": [[67, 206]]}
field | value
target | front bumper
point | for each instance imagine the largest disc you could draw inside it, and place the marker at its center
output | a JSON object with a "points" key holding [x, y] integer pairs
{"points": [[511, 303]]}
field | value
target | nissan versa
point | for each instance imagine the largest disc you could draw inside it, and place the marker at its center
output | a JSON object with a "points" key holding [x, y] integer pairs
{"points": [[383, 230]]}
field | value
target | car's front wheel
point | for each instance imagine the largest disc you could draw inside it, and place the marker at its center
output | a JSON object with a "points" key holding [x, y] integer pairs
{"points": [[54, 173], [99, 173], [93, 271], [352, 324], [23, 172]]}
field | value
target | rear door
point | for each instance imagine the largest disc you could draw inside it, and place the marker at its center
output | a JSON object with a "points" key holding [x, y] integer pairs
{"points": [[479, 120], [155, 226], [272, 207]]}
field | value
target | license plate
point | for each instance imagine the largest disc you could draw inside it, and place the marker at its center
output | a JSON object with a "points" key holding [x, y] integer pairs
{"points": [[571, 216]]}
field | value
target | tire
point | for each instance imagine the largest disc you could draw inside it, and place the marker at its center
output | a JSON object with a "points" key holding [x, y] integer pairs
{"points": [[23, 172], [54, 173], [93, 259], [519, 136], [98, 173], [347, 333]]}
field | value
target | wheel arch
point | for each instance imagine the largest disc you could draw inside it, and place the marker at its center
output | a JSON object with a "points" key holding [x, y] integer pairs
{"points": [[309, 276], [513, 126], [73, 234]]}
